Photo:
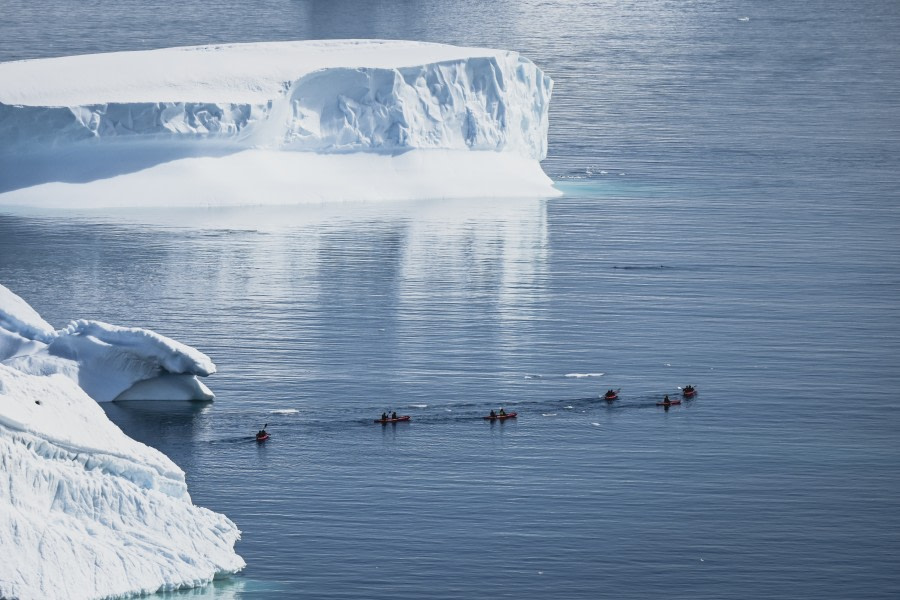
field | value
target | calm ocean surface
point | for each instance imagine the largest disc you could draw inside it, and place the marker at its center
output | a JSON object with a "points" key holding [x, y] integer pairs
{"points": [[731, 220]]}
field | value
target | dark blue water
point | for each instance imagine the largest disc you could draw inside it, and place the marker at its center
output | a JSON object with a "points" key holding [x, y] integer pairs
{"points": [[731, 220]]}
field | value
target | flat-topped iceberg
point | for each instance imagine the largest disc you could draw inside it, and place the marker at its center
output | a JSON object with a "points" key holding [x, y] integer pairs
{"points": [[106, 361], [273, 123]]}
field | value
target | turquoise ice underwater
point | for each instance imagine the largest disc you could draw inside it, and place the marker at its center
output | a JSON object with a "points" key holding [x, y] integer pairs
{"points": [[730, 221]]}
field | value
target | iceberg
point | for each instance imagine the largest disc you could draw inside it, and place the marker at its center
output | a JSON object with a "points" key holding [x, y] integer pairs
{"points": [[85, 511], [273, 123], [107, 362]]}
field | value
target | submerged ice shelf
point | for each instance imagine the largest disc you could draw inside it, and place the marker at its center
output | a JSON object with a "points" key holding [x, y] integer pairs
{"points": [[273, 123], [85, 511]]}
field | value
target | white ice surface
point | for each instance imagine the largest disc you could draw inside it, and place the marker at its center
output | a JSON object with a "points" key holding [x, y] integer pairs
{"points": [[273, 123], [106, 361], [87, 512]]}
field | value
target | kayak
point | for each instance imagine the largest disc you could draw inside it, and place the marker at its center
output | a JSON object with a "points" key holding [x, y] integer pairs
{"points": [[689, 393], [500, 417], [670, 403], [612, 397], [262, 438], [397, 420]]}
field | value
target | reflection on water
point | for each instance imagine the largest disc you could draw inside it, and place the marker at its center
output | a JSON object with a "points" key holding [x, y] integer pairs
{"points": [[167, 420], [230, 588]]}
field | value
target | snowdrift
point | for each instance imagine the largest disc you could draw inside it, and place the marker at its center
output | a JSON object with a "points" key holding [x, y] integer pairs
{"points": [[106, 361], [298, 121]]}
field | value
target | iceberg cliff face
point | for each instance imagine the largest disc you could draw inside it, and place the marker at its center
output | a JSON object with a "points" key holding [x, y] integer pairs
{"points": [[87, 512], [488, 103], [320, 98]]}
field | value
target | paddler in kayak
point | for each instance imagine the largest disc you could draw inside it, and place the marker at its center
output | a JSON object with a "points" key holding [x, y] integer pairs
{"points": [[262, 433], [493, 414], [666, 401], [502, 412], [384, 416], [394, 415]]}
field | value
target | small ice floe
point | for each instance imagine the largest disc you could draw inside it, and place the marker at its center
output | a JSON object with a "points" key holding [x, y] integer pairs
{"points": [[548, 414], [418, 406], [285, 411], [595, 424], [583, 375], [448, 409], [534, 377], [743, 19], [568, 407]]}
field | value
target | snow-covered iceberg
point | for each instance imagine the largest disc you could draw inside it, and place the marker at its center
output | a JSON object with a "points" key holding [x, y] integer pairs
{"points": [[106, 361], [273, 123], [87, 512]]}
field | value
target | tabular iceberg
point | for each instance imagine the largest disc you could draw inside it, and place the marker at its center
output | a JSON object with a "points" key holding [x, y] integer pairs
{"points": [[272, 123], [85, 511]]}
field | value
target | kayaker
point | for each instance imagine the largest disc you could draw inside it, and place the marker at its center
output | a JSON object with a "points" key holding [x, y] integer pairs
{"points": [[262, 432], [493, 414], [394, 415], [384, 416], [666, 400], [502, 412]]}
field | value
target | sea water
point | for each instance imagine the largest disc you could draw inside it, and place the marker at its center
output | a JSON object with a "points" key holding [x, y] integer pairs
{"points": [[730, 220]]}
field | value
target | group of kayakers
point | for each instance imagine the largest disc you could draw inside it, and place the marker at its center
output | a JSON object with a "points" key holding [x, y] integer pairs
{"points": [[688, 391]]}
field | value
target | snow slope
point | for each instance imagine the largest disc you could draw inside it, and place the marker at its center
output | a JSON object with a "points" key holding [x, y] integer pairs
{"points": [[87, 512], [69, 122], [106, 361]]}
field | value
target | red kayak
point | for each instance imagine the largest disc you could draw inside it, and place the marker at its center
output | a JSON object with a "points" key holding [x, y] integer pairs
{"points": [[397, 420], [500, 417], [262, 438], [669, 403], [610, 396], [689, 393]]}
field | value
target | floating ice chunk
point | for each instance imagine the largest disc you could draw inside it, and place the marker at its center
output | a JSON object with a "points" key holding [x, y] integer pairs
{"points": [[106, 361]]}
